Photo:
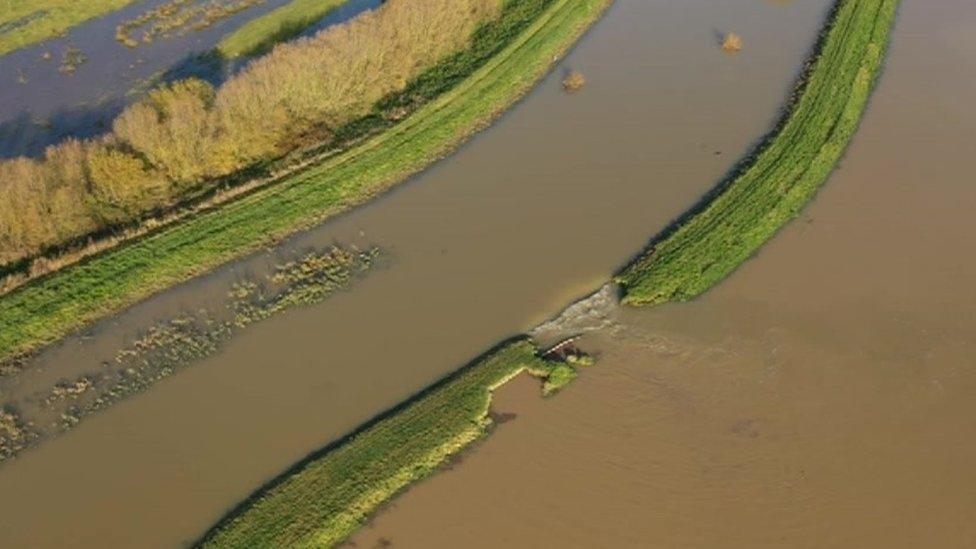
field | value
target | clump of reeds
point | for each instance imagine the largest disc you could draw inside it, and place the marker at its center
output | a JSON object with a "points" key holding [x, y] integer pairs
{"points": [[64, 390], [71, 60], [14, 434], [179, 16], [574, 81], [732, 43]]}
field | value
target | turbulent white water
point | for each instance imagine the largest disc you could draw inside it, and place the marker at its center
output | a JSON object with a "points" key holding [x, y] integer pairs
{"points": [[594, 312]]}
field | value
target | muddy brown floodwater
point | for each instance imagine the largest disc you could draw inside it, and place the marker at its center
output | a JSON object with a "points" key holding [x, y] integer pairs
{"points": [[531, 214], [821, 397]]}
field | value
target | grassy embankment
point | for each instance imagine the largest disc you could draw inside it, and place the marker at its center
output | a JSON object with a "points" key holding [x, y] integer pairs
{"points": [[772, 186], [323, 499], [261, 34], [23, 23], [328, 496], [504, 61]]}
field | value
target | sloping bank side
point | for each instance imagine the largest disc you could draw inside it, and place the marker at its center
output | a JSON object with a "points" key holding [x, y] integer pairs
{"points": [[772, 186], [326, 497]]}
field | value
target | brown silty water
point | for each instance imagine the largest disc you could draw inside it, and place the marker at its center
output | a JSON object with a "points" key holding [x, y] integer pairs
{"points": [[821, 397], [537, 211]]}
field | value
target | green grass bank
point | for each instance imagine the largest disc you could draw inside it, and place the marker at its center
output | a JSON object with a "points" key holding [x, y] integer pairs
{"points": [[324, 499], [472, 88], [25, 22], [773, 185], [261, 34]]}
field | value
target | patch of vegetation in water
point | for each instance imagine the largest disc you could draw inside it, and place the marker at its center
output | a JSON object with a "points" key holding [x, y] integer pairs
{"points": [[26, 22], [71, 59], [175, 344], [178, 17], [770, 188], [15, 435], [325, 498]]}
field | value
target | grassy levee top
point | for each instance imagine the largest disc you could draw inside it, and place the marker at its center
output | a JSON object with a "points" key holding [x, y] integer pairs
{"points": [[25, 22], [327, 496], [771, 187], [52, 307]]}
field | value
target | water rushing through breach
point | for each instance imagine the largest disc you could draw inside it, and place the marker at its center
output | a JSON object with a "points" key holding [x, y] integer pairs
{"points": [[530, 215]]}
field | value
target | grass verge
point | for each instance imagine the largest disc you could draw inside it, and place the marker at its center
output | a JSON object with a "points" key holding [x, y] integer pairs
{"points": [[27, 22], [261, 34], [772, 186], [322, 500], [52, 307]]}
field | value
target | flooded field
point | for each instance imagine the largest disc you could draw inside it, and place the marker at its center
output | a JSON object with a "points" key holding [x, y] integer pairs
{"points": [[537, 211], [821, 397], [74, 86]]}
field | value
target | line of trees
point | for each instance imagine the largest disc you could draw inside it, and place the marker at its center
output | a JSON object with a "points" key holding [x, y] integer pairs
{"points": [[186, 135]]}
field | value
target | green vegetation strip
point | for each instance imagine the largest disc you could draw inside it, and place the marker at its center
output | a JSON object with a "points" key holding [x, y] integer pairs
{"points": [[43, 312], [25, 22], [278, 25], [324, 499], [785, 173]]}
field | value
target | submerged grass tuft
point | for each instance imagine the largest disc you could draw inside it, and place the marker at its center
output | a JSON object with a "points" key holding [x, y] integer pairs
{"points": [[574, 81], [15, 435], [732, 43]]}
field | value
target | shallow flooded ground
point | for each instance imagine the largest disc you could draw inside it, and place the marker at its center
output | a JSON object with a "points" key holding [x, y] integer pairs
{"points": [[821, 397], [42, 104], [535, 212]]}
